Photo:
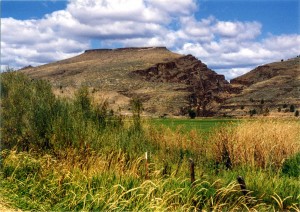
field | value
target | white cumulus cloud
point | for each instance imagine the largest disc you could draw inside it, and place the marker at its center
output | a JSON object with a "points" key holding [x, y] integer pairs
{"points": [[230, 47]]}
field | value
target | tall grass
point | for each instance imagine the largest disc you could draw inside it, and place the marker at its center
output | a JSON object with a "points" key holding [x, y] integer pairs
{"points": [[259, 143], [101, 183], [76, 154]]}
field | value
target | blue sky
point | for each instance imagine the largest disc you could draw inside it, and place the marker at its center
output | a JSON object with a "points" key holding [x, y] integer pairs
{"points": [[230, 36]]}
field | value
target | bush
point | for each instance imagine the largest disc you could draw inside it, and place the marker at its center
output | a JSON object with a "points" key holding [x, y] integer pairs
{"points": [[266, 112], [83, 101], [297, 113], [291, 166], [292, 108], [34, 119], [192, 113], [137, 109], [252, 112], [17, 97]]}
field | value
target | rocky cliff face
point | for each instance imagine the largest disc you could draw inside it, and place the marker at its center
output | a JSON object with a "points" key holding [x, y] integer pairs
{"points": [[207, 89]]}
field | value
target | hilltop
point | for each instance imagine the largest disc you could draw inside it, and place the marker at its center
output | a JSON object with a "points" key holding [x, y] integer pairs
{"points": [[267, 87], [166, 82]]}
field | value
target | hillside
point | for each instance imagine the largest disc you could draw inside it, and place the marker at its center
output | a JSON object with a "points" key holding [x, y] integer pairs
{"points": [[170, 83], [166, 82], [271, 86]]}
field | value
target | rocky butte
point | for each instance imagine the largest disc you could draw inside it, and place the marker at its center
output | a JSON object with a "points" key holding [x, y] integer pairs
{"points": [[166, 82]]}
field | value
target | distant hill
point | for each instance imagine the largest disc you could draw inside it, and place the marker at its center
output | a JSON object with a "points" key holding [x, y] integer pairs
{"points": [[267, 87], [166, 82], [170, 83]]}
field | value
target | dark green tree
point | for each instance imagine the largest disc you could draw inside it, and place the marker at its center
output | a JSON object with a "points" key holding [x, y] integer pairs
{"points": [[192, 113], [252, 112], [292, 108]]}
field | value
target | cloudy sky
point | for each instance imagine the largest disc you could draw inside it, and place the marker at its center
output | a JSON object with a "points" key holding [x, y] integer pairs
{"points": [[230, 36]]}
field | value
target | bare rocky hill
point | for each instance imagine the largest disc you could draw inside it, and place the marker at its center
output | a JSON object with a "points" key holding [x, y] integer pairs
{"points": [[170, 83], [272, 87], [166, 82]]}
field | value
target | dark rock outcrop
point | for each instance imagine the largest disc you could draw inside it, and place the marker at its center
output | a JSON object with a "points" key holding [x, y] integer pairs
{"points": [[207, 88]]}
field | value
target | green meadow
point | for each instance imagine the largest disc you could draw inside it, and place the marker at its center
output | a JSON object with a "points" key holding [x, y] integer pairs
{"points": [[202, 125], [75, 154]]}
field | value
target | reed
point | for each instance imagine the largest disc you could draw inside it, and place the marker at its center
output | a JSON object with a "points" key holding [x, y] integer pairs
{"points": [[264, 143]]}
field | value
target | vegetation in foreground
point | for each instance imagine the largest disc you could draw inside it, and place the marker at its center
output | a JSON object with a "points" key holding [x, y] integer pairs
{"points": [[77, 155]]}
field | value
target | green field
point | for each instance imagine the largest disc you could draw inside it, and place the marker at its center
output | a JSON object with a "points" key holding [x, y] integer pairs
{"points": [[203, 125]]}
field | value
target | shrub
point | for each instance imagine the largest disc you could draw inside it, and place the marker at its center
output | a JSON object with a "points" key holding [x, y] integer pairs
{"points": [[33, 118], [83, 101], [192, 113], [252, 112], [291, 166], [137, 108], [266, 112], [292, 108], [297, 113], [17, 93]]}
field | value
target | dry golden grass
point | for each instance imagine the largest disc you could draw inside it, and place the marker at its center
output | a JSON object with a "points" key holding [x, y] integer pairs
{"points": [[263, 143], [179, 139]]}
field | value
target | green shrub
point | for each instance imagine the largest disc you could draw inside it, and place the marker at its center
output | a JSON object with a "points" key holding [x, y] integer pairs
{"points": [[33, 118], [83, 101], [291, 166], [192, 113], [292, 108], [16, 99], [252, 112], [137, 108]]}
